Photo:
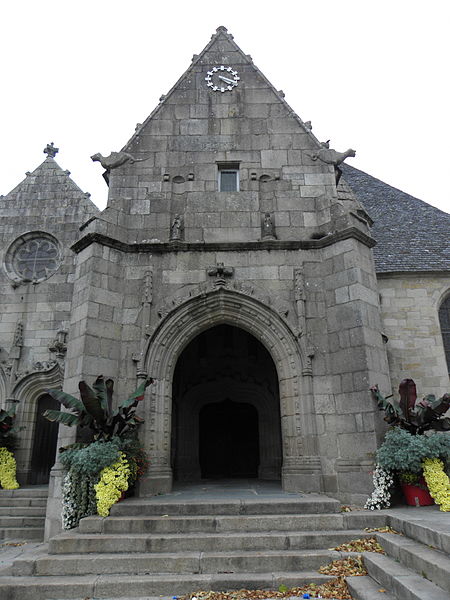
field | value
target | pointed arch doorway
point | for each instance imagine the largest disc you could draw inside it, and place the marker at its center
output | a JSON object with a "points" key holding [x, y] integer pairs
{"points": [[226, 409]]}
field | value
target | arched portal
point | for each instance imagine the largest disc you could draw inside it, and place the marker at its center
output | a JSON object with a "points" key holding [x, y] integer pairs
{"points": [[228, 440], [225, 408], [185, 320], [45, 439]]}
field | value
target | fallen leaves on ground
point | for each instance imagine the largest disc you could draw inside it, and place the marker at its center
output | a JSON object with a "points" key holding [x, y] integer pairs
{"points": [[361, 545], [13, 544], [350, 507], [335, 588], [352, 565], [382, 530]]}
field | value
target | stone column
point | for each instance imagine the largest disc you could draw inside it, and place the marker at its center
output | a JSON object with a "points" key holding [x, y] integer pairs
{"points": [[157, 440], [93, 346]]}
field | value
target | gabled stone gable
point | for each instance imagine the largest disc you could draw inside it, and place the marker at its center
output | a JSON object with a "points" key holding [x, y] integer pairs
{"points": [[192, 130], [47, 199]]}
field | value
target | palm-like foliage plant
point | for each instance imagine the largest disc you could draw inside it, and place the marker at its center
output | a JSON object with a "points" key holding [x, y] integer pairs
{"points": [[94, 409], [412, 415], [8, 429]]}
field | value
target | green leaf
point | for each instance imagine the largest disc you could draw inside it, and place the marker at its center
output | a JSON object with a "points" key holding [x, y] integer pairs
{"points": [[101, 393], [66, 400], [65, 418], [138, 395], [91, 403], [109, 393]]}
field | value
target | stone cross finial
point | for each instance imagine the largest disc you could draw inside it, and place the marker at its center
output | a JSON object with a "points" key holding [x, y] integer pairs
{"points": [[50, 150]]}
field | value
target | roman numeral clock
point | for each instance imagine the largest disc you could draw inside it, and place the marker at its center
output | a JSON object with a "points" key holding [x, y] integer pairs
{"points": [[222, 79]]}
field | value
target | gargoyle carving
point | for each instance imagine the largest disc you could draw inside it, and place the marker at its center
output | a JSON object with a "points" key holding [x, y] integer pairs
{"points": [[115, 159], [332, 157]]}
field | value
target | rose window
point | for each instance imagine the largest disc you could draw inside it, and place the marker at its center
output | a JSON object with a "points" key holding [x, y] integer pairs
{"points": [[33, 257]]}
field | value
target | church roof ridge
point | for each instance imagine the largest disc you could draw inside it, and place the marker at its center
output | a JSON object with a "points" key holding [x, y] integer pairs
{"points": [[221, 31]]}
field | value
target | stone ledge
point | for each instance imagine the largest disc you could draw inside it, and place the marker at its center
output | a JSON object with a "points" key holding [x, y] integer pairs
{"points": [[179, 246]]}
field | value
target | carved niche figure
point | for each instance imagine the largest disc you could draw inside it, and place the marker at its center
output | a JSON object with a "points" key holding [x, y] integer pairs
{"points": [[268, 227], [176, 229]]}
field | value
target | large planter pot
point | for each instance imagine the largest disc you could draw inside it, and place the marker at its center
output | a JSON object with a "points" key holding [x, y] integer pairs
{"points": [[418, 494]]}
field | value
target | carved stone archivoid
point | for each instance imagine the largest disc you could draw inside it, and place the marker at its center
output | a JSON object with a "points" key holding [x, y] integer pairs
{"points": [[220, 272]]}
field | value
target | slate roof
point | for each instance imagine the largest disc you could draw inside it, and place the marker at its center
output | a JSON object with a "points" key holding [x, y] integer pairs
{"points": [[411, 235]]}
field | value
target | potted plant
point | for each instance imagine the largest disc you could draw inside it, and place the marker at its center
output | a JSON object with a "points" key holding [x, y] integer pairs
{"points": [[417, 448], [100, 472]]}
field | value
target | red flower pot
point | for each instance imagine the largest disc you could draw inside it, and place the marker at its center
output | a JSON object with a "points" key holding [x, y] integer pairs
{"points": [[417, 495]]}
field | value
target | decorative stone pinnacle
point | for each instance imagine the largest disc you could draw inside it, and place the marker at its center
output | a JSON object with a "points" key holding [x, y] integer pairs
{"points": [[50, 150], [221, 28]]}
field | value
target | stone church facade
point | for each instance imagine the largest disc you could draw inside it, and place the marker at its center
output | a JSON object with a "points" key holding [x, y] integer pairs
{"points": [[235, 264]]}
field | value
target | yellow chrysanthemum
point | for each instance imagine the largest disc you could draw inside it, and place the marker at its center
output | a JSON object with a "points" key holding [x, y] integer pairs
{"points": [[113, 481], [7, 470], [438, 482]]}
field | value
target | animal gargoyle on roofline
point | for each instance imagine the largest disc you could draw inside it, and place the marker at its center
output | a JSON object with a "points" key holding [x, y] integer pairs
{"points": [[115, 159], [332, 157]]}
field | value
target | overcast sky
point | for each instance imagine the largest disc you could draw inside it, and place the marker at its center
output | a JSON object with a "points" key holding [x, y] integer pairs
{"points": [[370, 75]]}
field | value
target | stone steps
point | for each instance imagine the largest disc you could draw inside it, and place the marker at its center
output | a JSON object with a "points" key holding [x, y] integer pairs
{"points": [[307, 504], [365, 588], [404, 583], [126, 586], [182, 562], [76, 543], [5, 502], [431, 564], [212, 523], [424, 532], [22, 533], [21, 521], [22, 513], [155, 547], [416, 564]]}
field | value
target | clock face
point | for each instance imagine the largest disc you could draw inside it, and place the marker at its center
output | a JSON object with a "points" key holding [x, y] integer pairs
{"points": [[222, 79]]}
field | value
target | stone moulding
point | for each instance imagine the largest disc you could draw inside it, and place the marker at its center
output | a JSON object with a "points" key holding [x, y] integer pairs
{"points": [[33, 384], [180, 246], [181, 324]]}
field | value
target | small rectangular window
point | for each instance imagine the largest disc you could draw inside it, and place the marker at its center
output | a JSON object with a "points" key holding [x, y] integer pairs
{"points": [[228, 177]]}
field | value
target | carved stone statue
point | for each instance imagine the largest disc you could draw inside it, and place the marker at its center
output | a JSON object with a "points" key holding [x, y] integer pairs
{"points": [[115, 159], [268, 227], [176, 229]]}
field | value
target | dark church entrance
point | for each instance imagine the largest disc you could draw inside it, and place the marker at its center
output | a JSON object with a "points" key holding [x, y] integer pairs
{"points": [[44, 442], [229, 440], [226, 409]]}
